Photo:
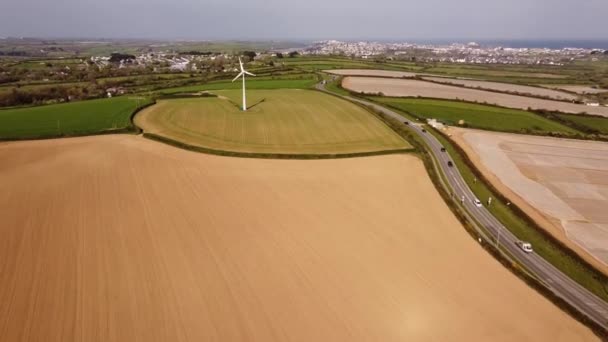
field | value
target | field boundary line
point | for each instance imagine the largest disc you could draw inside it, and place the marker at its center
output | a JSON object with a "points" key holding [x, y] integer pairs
{"points": [[300, 156]]}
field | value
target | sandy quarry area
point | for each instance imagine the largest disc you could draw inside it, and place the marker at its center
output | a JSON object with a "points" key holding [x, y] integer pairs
{"points": [[579, 89], [506, 88], [561, 183], [370, 72], [119, 238], [408, 87]]}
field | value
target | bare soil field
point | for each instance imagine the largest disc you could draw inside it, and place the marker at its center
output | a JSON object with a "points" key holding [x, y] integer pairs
{"points": [[562, 184], [406, 87], [370, 72], [506, 88], [579, 89], [119, 238]]}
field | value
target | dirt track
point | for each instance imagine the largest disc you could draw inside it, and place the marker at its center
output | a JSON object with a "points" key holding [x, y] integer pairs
{"points": [[408, 87], [118, 238], [562, 184]]}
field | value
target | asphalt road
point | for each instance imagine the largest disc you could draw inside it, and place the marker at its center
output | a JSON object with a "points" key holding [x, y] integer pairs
{"points": [[566, 288]]}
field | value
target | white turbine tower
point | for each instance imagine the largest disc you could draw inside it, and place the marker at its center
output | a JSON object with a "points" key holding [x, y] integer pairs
{"points": [[243, 73]]}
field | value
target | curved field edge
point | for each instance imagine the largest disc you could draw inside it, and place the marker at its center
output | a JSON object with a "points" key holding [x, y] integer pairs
{"points": [[304, 156], [389, 142], [471, 225], [73, 122]]}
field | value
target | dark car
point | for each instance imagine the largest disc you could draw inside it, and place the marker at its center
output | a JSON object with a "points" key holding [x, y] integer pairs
{"points": [[406, 123], [423, 130], [443, 149], [450, 164]]}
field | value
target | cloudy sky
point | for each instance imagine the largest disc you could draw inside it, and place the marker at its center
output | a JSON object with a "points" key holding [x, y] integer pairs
{"points": [[307, 19]]}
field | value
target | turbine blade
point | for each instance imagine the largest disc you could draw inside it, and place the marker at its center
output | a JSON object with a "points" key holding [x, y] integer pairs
{"points": [[237, 76], [241, 63], [248, 73]]}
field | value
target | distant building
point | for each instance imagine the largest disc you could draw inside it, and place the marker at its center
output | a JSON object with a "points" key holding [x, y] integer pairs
{"points": [[435, 124], [115, 91]]}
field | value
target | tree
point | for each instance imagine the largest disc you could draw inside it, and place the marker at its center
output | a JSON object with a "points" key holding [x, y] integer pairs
{"points": [[250, 54], [292, 54], [279, 55], [117, 57]]}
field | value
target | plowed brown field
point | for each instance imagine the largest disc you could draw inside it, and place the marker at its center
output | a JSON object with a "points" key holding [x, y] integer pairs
{"points": [[413, 88], [118, 238], [506, 88], [561, 183]]}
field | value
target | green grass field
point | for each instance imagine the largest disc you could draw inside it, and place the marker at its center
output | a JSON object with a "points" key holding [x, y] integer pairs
{"points": [[476, 115], [286, 121], [77, 118], [286, 82], [595, 123]]}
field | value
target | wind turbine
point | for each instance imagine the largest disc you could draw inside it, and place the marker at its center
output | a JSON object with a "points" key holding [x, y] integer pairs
{"points": [[243, 73]]}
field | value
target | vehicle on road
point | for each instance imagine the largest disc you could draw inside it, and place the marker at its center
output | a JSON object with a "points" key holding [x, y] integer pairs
{"points": [[477, 203], [443, 149], [406, 122], [525, 246], [423, 130], [450, 164]]}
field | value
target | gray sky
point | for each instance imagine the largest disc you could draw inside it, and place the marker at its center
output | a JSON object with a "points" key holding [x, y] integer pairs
{"points": [[307, 19]]}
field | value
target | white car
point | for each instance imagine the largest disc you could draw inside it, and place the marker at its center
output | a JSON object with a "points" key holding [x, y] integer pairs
{"points": [[477, 203], [525, 246]]}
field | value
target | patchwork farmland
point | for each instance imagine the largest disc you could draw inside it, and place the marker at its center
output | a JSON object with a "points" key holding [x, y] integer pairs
{"points": [[128, 233], [506, 88], [416, 88]]}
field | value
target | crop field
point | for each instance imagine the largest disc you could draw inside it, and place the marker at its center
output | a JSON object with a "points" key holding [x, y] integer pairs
{"points": [[480, 71], [475, 115], [135, 240], [415, 88], [314, 63], [579, 89], [288, 121], [9, 87], [370, 72], [507, 88], [282, 82], [76, 118], [593, 123], [560, 183]]}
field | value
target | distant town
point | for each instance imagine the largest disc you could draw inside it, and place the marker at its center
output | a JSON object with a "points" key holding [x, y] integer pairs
{"points": [[471, 53]]}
